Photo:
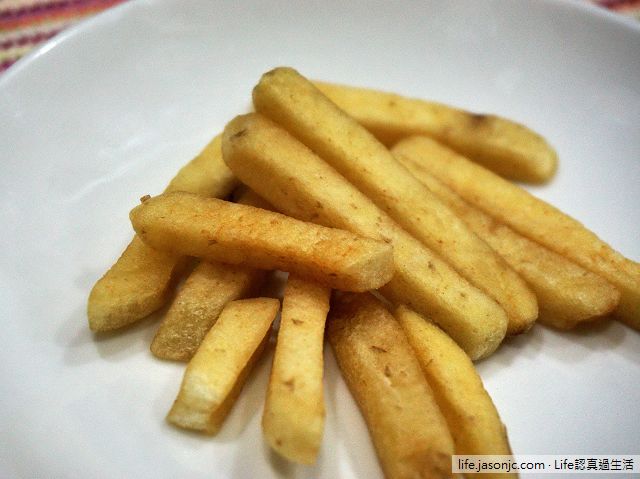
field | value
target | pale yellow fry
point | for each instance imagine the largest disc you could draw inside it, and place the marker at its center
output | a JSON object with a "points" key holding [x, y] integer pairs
{"points": [[467, 407], [216, 373], [293, 417], [532, 218], [302, 185], [209, 287], [567, 293], [216, 230], [138, 283], [292, 101], [504, 146], [408, 430]]}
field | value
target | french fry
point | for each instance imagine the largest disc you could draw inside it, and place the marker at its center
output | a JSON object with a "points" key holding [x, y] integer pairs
{"points": [[567, 293], [302, 185], [216, 230], [293, 418], [138, 283], [198, 303], [467, 407], [206, 174], [292, 101], [209, 287], [134, 287], [531, 217], [506, 147], [251, 198], [408, 429], [216, 373]]}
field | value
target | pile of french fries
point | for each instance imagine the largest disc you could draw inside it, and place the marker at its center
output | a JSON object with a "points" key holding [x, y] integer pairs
{"points": [[398, 235]]}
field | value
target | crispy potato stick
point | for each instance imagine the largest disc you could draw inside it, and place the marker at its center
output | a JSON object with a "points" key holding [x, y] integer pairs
{"points": [[216, 373], [293, 102], [198, 303], [567, 293], [302, 185], [532, 218], [206, 174], [251, 198], [293, 418], [506, 147], [137, 284], [217, 230], [134, 287], [467, 407], [209, 287], [408, 429]]}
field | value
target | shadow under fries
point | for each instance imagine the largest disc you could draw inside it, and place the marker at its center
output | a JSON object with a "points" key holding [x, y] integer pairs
{"points": [[280, 465], [80, 343], [326, 466], [274, 285], [602, 335], [130, 340]]}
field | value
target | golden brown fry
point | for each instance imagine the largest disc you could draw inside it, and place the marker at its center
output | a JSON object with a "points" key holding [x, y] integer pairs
{"points": [[408, 429], [251, 198], [467, 407], [217, 230], [502, 145], [138, 283], [293, 418], [206, 174], [134, 287], [292, 101], [217, 372], [198, 303], [532, 218], [303, 186], [209, 287], [567, 293]]}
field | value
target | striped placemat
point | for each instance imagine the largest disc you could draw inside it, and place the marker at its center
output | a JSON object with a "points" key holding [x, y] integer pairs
{"points": [[24, 24], [624, 7]]}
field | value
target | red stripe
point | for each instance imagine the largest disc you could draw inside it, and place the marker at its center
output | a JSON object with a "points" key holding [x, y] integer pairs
{"points": [[619, 4], [28, 39], [58, 10], [12, 18], [39, 8], [7, 63]]}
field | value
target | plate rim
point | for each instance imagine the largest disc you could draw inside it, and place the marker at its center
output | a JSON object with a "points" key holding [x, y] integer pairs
{"points": [[85, 26]]}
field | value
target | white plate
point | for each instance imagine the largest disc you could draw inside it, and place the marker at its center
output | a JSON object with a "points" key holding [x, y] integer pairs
{"points": [[108, 111]]}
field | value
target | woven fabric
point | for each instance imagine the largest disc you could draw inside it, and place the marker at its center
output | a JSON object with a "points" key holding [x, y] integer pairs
{"points": [[25, 24], [630, 8]]}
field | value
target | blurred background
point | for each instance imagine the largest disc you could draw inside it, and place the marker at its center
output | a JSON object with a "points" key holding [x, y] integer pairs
{"points": [[25, 24]]}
